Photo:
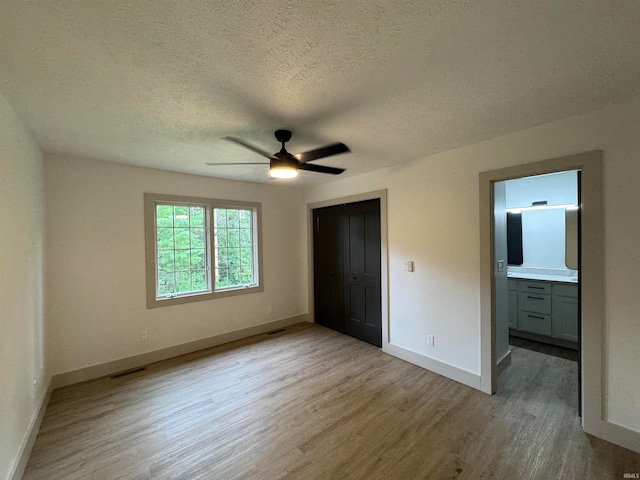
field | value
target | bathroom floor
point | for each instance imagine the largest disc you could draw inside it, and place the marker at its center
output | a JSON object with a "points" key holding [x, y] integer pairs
{"points": [[545, 348]]}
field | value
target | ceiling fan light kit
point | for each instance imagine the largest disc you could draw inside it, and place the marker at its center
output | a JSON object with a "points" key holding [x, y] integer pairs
{"points": [[283, 172], [285, 165]]}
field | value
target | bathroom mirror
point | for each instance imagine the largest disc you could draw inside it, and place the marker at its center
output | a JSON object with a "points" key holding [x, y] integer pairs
{"points": [[571, 238]]}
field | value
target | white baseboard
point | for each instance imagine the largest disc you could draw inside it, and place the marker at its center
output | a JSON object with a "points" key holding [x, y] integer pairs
{"points": [[454, 373], [503, 363], [30, 438], [614, 433], [115, 366]]}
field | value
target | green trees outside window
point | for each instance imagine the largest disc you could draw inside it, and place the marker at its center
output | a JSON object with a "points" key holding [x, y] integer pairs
{"points": [[233, 231], [200, 248], [181, 249], [182, 253]]}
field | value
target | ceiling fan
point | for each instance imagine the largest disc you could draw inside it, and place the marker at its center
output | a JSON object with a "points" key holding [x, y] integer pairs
{"points": [[285, 165]]}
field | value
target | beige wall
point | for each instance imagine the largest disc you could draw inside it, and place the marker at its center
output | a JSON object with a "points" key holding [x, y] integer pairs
{"points": [[433, 220], [97, 303], [22, 330]]}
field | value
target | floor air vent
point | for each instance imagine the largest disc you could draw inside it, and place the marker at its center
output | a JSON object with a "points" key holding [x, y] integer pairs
{"points": [[277, 331], [128, 372]]}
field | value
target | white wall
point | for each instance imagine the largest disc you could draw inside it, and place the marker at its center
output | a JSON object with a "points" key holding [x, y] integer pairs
{"points": [[556, 188], [97, 303], [433, 219], [22, 330]]}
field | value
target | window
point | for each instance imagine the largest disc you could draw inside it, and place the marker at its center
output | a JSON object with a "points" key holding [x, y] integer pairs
{"points": [[199, 249]]}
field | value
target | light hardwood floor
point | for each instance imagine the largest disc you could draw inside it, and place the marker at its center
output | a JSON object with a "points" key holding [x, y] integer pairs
{"points": [[310, 403]]}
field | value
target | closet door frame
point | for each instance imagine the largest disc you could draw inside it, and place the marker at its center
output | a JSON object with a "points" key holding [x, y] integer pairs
{"points": [[384, 264]]}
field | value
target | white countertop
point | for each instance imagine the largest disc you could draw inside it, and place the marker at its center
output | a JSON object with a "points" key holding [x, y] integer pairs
{"points": [[544, 274]]}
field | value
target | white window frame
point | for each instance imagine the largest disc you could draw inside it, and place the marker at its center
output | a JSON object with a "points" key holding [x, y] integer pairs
{"points": [[151, 200]]}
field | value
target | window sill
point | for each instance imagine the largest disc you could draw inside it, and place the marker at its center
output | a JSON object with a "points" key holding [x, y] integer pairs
{"points": [[201, 297]]}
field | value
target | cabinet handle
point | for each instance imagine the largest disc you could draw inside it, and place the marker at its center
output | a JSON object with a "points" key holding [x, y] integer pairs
{"points": [[534, 316], [535, 298], [535, 288]]}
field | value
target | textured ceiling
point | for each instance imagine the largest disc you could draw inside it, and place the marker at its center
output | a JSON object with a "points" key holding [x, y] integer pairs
{"points": [[159, 83]]}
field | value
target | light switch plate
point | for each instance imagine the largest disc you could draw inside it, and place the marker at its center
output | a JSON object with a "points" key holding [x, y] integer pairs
{"points": [[501, 265], [407, 266]]}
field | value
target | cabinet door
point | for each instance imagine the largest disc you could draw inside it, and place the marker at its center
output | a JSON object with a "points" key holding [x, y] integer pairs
{"points": [[513, 309], [565, 318]]}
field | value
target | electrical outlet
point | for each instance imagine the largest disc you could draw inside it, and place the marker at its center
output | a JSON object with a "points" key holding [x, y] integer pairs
{"points": [[430, 340], [144, 336], [270, 309]]}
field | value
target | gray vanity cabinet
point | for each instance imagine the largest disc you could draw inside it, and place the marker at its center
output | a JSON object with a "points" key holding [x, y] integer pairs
{"points": [[564, 305], [549, 310]]}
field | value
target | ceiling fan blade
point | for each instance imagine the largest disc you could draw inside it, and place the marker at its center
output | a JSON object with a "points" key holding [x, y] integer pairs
{"points": [[253, 148], [243, 163], [320, 169], [322, 152]]}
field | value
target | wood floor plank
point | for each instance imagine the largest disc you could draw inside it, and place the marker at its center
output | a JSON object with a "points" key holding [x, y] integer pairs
{"points": [[310, 403]]}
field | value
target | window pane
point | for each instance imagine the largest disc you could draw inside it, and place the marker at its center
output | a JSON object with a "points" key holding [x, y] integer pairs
{"points": [[221, 238], [181, 237], [183, 282], [197, 237], [246, 257], [181, 216], [222, 277], [165, 261], [234, 276], [246, 275], [164, 215], [245, 218], [245, 237], [198, 280], [183, 259], [233, 256], [221, 257], [233, 238], [220, 217], [198, 259], [165, 283], [165, 238], [232, 219], [197, 216], [233, 235]]}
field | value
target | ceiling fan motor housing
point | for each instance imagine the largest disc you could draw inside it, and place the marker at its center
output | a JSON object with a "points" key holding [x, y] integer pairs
{"points": [[284, 159]]}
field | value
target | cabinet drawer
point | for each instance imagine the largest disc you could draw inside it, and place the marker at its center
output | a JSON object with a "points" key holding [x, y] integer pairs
{"points": [[565, 290], [534, 287], [534, 302], [534, 323]]}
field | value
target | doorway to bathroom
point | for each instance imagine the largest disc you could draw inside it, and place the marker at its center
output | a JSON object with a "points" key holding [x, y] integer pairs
{"points": [[537, 285], [591, 287]]}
